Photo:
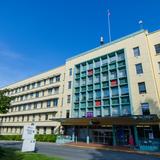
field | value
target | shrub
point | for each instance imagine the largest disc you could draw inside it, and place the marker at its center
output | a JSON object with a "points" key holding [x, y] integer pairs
{"points": [[38, 137], [11, 137], [46, 138]]}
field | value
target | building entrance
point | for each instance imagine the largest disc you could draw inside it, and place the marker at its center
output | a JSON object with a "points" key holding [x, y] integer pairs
{"points": [[123, 135], [102, 136]]}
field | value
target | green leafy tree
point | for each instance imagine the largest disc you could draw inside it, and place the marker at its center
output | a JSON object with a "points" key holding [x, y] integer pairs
{"points": [[5, 101]]}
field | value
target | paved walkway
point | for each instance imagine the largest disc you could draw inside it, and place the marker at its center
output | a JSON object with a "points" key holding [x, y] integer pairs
{"points": [[126, 149], [76, 153]]}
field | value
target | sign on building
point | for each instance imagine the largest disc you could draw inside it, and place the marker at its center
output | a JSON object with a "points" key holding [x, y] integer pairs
{"points": [[29, 142]]}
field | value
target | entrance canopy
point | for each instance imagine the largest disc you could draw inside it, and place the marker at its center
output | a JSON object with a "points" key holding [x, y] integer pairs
{"points": [[121, 120]]}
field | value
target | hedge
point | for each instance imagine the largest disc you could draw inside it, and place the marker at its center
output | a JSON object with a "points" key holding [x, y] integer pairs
{"points": [[46, 137], [38, 137], [11, 137]]}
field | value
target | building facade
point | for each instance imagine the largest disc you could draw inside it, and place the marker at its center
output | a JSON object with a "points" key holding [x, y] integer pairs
{"points": [[105, 85]]}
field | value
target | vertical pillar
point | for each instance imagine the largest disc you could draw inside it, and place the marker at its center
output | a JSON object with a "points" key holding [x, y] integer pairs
{"points": [[114, 135], [87, 138], [73, 134], [136, 135]]}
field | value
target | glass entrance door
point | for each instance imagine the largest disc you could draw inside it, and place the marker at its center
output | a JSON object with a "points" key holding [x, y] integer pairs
{"points": [[102, 136], [123, 135]]}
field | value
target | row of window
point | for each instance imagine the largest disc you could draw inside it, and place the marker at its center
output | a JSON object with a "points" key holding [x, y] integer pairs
{"points": [[42, 93], [136, 50], [101, 61], [115, 111], [35, 84], [98, 78], [29, 118], [19, 130], [35, 105], [115, 91]]}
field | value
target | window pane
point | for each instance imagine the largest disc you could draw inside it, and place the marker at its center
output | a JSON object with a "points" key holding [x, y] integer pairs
{"points": [[114, 91], [142, 87], [136, 51], [139, 69], [70, 71], [157, 48], [124, 90], [159, 66], [145, 108]]}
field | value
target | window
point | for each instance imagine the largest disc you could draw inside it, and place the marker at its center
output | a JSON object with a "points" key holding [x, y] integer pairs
{"points": [[112, 59], [83, 113], [44, 130], [139, 69], [97, 79], [124, 90], [90, 95], [38, 84], [77, 97], [106, 93], [145, 108], [114, 83], [97, 63], [90, 80], [157, 48], [113, 75], [33, 85], [69, 99], [55, 102], [122, 73], [35, 105], [104, 61], [56, 90], [98, 94], [90, 65], [48, 103], [50, 91], [136, 51], [83, 81], [83, 97], [51, 80], [67, 114], [90, 72], [37, 94], [46, 117], [29, 106], [83, 67], [69, 85], [57, 78], [44, 81], [31, 95], [159, 66], [98, 103], [98, 112], [142, 87], [70, 71], [115, 91]]}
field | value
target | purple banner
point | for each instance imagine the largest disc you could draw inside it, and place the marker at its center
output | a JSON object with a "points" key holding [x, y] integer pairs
{"points": [[89, 114]]}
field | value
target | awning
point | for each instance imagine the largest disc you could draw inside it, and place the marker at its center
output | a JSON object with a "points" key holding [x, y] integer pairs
{"points": [[121, 120]]}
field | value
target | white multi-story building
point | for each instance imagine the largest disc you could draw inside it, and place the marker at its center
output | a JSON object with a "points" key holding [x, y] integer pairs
{"points": [[119, 79]]}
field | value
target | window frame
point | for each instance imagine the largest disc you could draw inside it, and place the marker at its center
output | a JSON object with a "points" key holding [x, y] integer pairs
{"points": [[139, 88], [139, 68], [144, 110], [157, 48], [137, 53]]}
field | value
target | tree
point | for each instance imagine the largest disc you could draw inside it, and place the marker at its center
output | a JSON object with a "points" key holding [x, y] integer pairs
{"points": [[5, 101]]}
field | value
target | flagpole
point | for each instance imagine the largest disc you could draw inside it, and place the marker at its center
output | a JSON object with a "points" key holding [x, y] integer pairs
{"points": [[109, 26]]}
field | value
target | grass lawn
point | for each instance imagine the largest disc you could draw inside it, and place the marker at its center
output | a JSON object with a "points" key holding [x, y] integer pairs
{"points": [[12, 154]]}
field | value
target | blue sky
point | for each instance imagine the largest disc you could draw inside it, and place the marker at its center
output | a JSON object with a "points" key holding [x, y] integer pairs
{"points": [[38, 35]]}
